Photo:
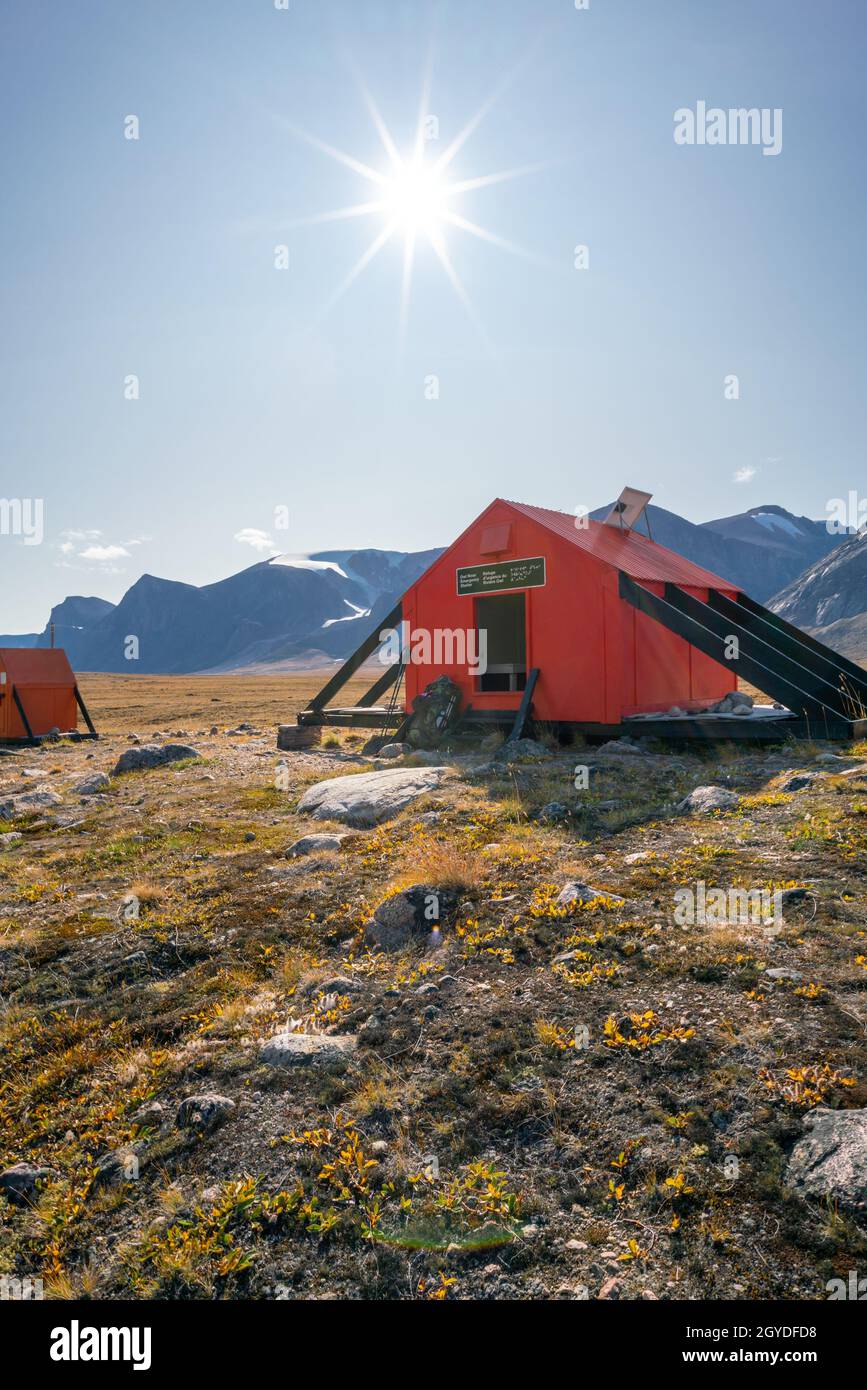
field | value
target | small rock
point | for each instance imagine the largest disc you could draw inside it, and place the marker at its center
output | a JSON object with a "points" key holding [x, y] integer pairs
{"points": [[704, 800], [520, 750], [21, 1182], [26, 803], [611, 1288], [736, 702], [288, 1050], [407, 916], [315, 844], [149, 1115], [799, 781], [335, 984], [374, 1030], [394, 750], [782, 972], [11, 837], [92, 785], [151, 755], [793, 895], [121, 1165], [204, 1113], [582, 893], [831, 1161]]}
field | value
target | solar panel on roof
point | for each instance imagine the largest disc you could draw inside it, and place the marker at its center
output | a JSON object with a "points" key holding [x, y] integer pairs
{"points": [[628, 508]]}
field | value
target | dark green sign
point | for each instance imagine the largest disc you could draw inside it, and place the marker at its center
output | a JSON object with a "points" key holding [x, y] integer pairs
{"points": [[499, 578]]}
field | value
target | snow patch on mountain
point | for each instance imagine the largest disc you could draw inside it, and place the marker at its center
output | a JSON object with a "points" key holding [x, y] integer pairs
{"points": [[348, 617], [304, 562], [773, 522]]}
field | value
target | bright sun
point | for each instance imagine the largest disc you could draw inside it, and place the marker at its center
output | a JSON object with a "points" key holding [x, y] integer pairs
{"points": [[415, 199]]}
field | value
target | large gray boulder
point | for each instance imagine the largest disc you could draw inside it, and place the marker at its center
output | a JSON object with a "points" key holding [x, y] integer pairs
{"points": [[295, 1050], [370, 797], [704, 800], [831, 1160], [153, 755], [28, 803]]}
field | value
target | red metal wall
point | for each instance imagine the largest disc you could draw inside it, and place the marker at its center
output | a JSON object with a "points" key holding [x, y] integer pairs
{"points": [[599, 660], [46, 686]]}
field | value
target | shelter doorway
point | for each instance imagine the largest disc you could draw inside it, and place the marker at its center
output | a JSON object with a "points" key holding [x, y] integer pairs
{"points": [[503, 617]]}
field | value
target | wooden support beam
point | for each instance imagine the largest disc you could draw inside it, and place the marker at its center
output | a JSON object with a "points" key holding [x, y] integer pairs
{"points": [[21, 710], [84, 710], [379, 687], [351, 665], [524, 708]]}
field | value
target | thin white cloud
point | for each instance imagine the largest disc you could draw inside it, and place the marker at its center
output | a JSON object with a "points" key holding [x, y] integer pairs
{"points": [[103, 553], [744, 475], [259, 540], [85, 550]]}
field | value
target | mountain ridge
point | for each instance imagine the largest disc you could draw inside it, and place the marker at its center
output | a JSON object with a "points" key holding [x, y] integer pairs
{"points": [[298, 611]]}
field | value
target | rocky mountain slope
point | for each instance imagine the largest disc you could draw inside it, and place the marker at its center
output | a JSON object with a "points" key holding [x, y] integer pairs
{"points": [[318, 606], [830, 598], [760, 551], [312, 609]]}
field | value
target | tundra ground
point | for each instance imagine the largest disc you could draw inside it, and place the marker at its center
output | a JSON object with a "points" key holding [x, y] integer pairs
{"points": [[545, 1101]]}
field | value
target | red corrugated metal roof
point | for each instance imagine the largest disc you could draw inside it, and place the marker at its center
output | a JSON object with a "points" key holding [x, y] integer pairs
{"points": [[629, 551], [36, 666]]}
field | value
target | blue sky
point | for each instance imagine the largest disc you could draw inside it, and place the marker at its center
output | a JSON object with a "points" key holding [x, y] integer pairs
{"points": [[156, 258]]}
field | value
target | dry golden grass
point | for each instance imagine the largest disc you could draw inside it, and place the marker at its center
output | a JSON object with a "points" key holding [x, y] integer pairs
{"points": [[119, 704], [148, 894], [445, 864]]}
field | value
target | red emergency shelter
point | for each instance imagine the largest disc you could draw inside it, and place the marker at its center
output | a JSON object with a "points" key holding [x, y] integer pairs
{"points": [[541, 615], [544, 586]]}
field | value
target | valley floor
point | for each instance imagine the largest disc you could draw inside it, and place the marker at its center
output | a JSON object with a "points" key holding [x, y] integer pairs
{"points": [[544, 1101]]}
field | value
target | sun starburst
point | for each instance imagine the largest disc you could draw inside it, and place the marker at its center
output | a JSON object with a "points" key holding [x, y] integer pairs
{"points": [[413, 199]]}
